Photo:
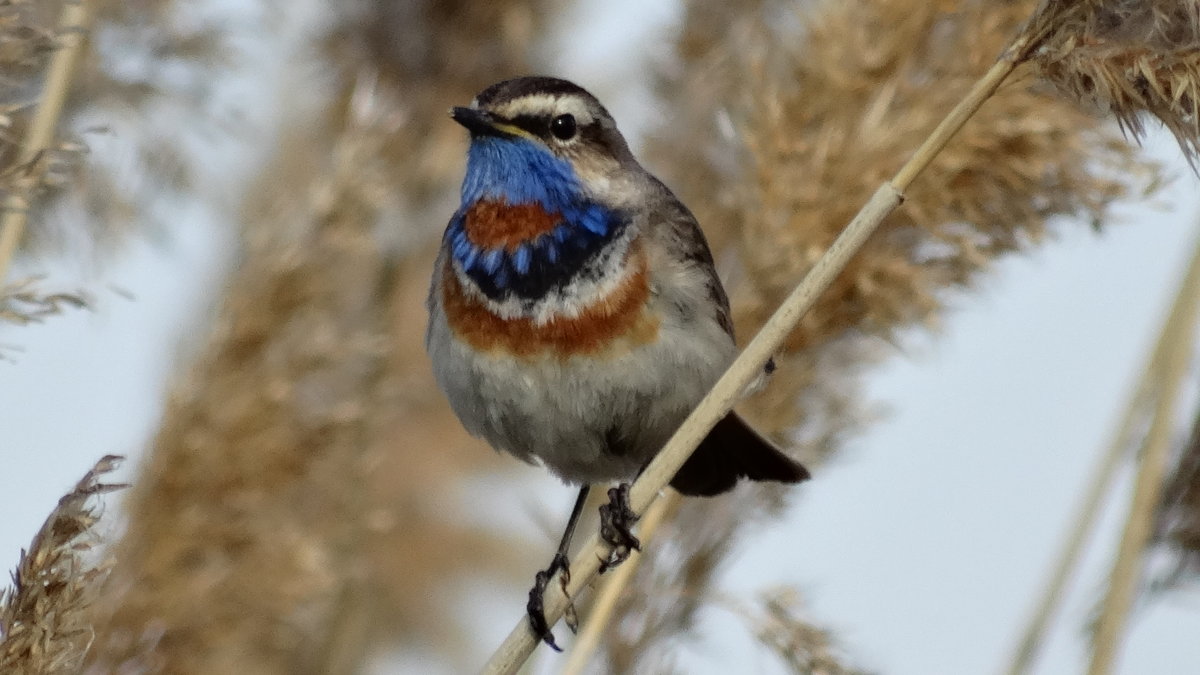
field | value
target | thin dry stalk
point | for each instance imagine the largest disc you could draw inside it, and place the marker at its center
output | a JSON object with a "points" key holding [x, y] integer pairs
{"points": [[1147, 393], [746, 368], [1083, 525], [73, 26], [44, 625], [1180, 338]]}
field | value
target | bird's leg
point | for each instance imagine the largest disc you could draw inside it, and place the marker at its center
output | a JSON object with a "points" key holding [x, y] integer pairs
{"points": [[616, 517], [535, 609]]}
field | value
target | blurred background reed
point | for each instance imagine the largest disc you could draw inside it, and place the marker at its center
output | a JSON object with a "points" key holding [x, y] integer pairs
{"points": [[248, 197]]}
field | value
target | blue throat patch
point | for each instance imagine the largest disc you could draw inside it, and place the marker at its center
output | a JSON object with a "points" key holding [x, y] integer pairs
{"points": [[519, 171]]}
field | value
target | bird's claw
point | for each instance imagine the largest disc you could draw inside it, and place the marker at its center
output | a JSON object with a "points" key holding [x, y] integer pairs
{"points": [[616, 519], [535, 607]]}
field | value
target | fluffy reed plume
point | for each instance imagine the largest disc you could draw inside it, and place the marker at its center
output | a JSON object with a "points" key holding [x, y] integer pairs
{"points": [[26, 41], [29, 157], [1127, 58], [428, 56], [243, 542], [837, 114], [817, 111], [44, 624], [297, 503], [781, 626], [109, 95]]}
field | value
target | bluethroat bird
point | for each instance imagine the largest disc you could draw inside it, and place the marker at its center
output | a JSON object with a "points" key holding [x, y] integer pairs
{"points": [[576, 317]]}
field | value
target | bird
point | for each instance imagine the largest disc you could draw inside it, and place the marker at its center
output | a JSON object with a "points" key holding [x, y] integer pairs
{"points": [[575, 312]]}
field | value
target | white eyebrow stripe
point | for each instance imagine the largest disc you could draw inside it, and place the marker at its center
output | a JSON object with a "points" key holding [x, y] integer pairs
{"points": [[532, 104], [548, 104]]}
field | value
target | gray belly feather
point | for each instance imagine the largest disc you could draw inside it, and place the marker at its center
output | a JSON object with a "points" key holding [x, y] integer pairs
{"points": [[586, 418]]}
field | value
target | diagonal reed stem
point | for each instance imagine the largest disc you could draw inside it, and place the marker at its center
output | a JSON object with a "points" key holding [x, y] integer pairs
{"points": [[521, 641], [73, 24], [1179, 346], [605, 606], [1118, 448]]}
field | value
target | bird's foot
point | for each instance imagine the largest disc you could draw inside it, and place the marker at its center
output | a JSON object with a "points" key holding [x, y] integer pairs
{"points": [[616, 517], [535, 608]]}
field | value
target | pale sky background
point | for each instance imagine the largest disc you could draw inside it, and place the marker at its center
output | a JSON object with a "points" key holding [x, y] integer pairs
{"points": [[922, 547]]}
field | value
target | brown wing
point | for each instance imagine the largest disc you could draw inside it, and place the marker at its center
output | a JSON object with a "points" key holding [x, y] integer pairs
{"points": [[683, 235], [732, 450]]}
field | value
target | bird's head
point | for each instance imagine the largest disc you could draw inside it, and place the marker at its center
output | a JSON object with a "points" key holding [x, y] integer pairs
{"points": [[547, 141], [550, 186]]}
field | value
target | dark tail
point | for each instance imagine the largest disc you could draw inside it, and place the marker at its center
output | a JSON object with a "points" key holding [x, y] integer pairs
{"points": [[731, 451]]}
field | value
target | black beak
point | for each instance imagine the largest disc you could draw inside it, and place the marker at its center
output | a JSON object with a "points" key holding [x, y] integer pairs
{"points": [[478, 122]]}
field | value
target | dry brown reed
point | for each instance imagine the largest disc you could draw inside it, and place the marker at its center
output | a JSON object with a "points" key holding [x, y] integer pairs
{"points": [[147, 72], [27, 39], [45, 628], [781, 624], [82, 202], [1144, 431], [22, 303], [26, 42], [1127, 58], [297, 503], [818, 109], [1172, 360], [243, 537], [1178, 529], [31, 161]]}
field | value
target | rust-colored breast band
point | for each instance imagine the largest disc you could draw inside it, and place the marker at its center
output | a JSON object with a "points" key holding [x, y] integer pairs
{"points": [[609, 326]]}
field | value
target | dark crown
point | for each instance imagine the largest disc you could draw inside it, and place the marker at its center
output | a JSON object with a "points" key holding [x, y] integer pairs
{"points": [[518, 87]]}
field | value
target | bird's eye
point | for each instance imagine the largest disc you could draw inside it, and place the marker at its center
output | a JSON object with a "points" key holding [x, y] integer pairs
{"points": [[563, 127]]}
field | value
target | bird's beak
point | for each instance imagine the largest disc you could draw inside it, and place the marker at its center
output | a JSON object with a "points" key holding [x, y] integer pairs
{"points": [[479, 122]]}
